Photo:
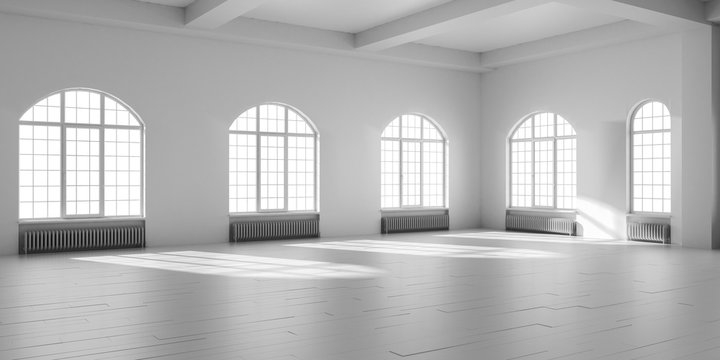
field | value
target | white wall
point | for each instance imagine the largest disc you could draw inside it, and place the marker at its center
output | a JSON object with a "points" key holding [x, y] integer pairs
{"points": [[700, 124], [188, 92], [595, 91]]}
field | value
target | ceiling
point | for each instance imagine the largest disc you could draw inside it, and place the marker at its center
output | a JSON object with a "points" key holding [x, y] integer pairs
{"points": [[349, 16], [175, 3], [472, 35], [535, 23]]}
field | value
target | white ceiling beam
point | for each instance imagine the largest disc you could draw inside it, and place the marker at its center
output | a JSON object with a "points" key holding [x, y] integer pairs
{"points": [[134, 14], [211, 14], [606, 35], [436, 21], [712, 10], [137, 15], [671, 14], [432, 56], [340, 43]]}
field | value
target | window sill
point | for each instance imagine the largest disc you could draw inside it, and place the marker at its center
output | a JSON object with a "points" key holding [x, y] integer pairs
{"points": [[415, 211], [571, 214], [69, 224], [659, 218], [81, 220], [295, 215]]}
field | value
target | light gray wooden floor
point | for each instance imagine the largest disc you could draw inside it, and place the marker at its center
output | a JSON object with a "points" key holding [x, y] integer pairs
{"points": [[449, 295]]}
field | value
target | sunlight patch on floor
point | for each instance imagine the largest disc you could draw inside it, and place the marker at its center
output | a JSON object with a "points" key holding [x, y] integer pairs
{"points": [[543, 238], [209, 263], [430, 249]]}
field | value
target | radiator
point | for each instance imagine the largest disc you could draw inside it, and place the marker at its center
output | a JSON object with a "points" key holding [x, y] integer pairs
{"points": [[95, 238], [274, 229], [543, 224], [648, 232], [411, 223]]}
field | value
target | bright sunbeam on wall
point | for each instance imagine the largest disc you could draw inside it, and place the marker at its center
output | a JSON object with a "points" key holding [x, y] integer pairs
{"points": [[208, 263], [426, 249], [600, 220]]}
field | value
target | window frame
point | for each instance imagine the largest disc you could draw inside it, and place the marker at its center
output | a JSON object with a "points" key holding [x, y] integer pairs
{"points": [[63, 126], [533, 140], [631, 159], [258, 134], [421, 141]]}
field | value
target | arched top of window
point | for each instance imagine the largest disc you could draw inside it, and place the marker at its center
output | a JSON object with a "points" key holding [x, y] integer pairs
{"points": [[82, 106], [650, 115], [274, 118], [542, 125], [413, 127]]}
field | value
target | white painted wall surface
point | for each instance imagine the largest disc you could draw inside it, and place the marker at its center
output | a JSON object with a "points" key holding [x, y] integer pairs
{"points": [[595, 91], [188, 91], [699, 207]]}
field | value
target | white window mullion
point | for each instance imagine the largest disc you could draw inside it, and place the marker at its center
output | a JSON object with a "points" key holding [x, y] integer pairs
{"points": [[444, 176], [401, 163], [554, 163], [63, 172], [142, 172], [258, 162], [402, 173], [554, 170], [258, 173], [101, 160], [316, 177], [286, 169], [532, 172], [422, 163], [532, 163]]}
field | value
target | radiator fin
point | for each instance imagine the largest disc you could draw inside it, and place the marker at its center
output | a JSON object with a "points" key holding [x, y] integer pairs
{"points": [[648, 232], [274, 229], [412, 223], [96, 238], [541, 224]]}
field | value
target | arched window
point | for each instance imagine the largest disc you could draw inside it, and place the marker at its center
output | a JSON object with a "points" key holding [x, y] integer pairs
{"points": [[81, 156], [273, 161], [543, 167], [413, 174], [650, 154]]}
